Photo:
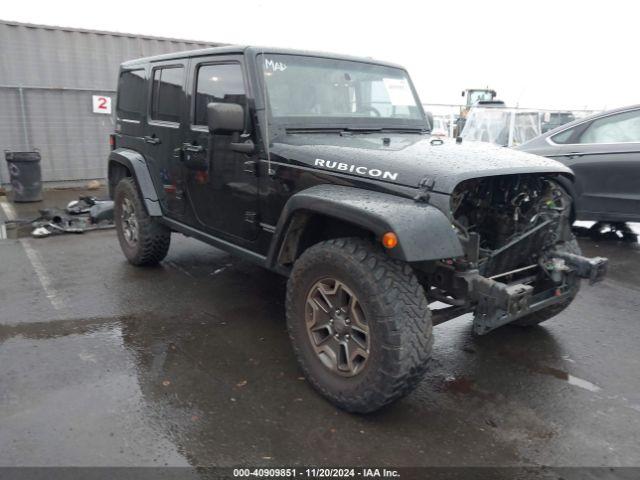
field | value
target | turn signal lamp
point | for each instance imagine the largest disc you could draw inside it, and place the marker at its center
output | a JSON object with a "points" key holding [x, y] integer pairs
{"points": [[389, 240]]}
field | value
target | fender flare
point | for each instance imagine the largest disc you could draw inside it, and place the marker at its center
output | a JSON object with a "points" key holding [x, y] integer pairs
{"points": [[137, 165], [424, 232]]}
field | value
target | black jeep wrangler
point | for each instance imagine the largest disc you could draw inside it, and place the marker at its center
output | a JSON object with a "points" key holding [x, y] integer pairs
{"points": [[321, 167]]}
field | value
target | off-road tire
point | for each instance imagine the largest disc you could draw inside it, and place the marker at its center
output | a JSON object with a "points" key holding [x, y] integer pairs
{"points": [[540, 316], [397, 314], [153, 239]]}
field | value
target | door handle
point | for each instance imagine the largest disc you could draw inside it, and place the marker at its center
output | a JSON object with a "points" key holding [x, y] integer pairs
{"points": [[152, 140], [244, 147], [189, 147]]}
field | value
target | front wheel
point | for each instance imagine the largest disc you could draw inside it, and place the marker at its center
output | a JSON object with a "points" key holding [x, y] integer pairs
{"points": [[359, 324]]}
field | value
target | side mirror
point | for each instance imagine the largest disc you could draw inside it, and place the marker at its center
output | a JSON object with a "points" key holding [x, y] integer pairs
{"points": [[225, 117], [429, 116]]}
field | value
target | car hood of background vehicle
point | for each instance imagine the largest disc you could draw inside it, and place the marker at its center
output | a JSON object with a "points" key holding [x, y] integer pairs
{"points": [[411, 156]]}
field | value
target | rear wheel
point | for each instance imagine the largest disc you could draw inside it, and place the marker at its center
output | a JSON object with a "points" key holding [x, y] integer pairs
{"points": [[359, 323], [144, 240], [540, 316]]}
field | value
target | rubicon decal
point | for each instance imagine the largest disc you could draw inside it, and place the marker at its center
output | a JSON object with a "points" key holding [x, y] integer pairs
{"points": [[360, 170]]}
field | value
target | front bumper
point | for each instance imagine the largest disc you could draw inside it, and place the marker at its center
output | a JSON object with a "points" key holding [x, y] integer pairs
{"points": [[498, 303]]}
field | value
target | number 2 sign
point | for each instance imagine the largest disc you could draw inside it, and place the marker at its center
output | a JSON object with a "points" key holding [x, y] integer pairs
{"points": [[101, 104]]}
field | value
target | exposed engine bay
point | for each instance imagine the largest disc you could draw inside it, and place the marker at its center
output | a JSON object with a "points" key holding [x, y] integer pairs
{"points": [[513, 217], [520, 255]]}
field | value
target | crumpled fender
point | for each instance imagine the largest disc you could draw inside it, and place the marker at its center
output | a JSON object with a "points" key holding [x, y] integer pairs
{"points": [[137, 165], [424, 232]]}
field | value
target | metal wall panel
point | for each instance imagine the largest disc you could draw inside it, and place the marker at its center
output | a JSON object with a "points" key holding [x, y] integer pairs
{"points": [[11, 128], [72, 140], [59, 69], [71, 58]]}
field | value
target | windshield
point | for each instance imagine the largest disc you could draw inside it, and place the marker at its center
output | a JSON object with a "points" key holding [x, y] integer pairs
{"points": [[501, 126], [321, 92], [476, 96]]}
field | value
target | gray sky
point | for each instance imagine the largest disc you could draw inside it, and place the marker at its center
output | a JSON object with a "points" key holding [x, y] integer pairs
{"points": [[543, 54]]}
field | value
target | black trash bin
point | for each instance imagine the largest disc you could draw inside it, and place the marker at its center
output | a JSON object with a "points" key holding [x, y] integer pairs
{"points": [[25, 176]]}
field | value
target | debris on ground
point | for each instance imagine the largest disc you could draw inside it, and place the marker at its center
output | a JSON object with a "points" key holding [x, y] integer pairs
{"points": [[94, 185], [82, 215]]}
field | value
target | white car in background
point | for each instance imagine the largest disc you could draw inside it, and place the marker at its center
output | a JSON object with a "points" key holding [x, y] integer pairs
{"points": [[508, 127]]}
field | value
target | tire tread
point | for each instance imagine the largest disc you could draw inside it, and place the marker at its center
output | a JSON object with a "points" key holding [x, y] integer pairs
{"points": [[407, 324], [154, 238]]}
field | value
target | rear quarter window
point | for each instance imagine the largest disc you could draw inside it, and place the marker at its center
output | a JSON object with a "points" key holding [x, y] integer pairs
{"points": [[563, 137], [131, 94]]}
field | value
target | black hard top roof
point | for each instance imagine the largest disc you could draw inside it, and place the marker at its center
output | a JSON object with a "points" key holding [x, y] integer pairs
{"points": [[250, 50]]}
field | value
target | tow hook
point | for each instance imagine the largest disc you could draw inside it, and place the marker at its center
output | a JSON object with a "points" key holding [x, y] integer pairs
{"points": [[556, 267], [594, 269]]}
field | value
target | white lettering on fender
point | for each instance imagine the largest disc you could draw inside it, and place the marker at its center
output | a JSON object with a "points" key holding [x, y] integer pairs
{"points": [[359, 169]]}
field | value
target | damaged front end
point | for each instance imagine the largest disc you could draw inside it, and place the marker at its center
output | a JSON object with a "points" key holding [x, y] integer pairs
{"points": [[520, 255]]}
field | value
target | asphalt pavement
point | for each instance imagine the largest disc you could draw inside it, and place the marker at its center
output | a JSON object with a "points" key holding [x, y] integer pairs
{"points": [[189, 363]]}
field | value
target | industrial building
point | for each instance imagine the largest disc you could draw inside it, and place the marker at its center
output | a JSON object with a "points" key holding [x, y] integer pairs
{"points": [[57, 93]]}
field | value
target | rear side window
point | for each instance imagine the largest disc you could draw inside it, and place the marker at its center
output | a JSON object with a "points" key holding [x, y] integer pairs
{"points": [[620, 128], [563, 137], [221, 83], [131, 94], [166, 97]]}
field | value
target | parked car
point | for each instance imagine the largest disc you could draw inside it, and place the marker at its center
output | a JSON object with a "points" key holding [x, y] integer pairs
{"points": [[322, 168], [603, 150]]}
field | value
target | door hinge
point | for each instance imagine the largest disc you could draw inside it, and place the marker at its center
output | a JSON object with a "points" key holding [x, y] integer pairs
{"points": [[250, 217], [251, 166]]}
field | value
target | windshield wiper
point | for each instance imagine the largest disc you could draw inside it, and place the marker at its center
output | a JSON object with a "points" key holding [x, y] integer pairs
{"points": [[362, 129], [340, 130], [406, 130], [313, 130], [337, 130]]}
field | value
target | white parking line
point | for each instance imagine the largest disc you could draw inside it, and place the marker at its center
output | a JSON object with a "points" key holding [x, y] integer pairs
{"points": [[43, 276], [8, 210], [36, 261], [10, 213]]}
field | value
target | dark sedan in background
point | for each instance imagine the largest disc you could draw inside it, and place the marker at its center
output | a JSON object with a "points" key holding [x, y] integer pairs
{"points": [[604, 152]]}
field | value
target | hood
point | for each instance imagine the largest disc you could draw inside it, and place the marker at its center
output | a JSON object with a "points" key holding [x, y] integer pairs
{"points": [[407, 158]]}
